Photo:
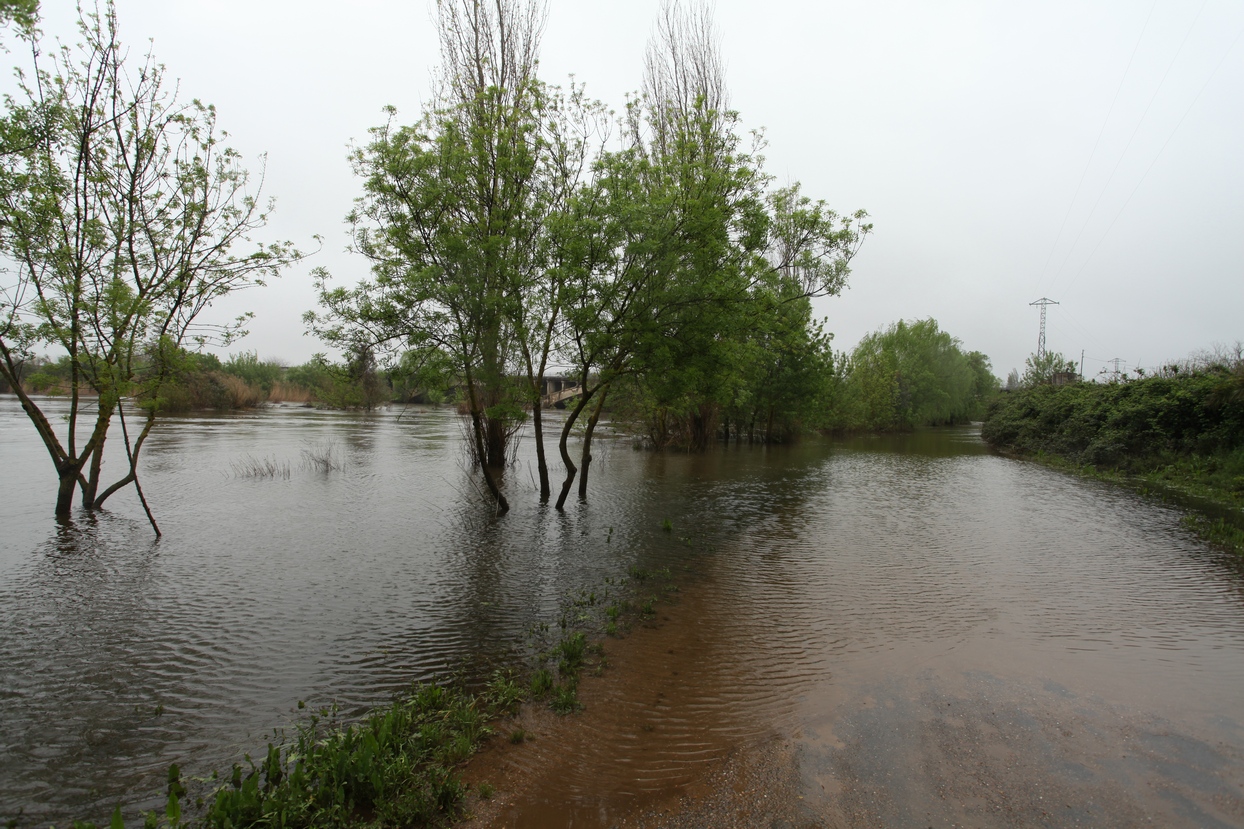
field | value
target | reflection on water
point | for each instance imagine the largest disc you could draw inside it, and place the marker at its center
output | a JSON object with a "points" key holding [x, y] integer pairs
{"points": [[818, 568]]}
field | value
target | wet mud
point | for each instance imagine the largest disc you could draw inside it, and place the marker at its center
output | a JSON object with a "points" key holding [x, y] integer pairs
{"points": [[937, 748]]}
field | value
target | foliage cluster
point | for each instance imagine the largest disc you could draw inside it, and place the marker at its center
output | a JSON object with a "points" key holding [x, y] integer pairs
{"points": [[906, 375], [396, 767], [506, 234], [1131, 426]]}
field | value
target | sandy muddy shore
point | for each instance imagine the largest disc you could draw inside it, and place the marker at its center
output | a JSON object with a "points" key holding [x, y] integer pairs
{"points": [[932, 745]]}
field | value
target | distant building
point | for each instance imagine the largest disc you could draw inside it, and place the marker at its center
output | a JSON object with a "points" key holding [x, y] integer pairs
{"points": [[1064, 378]]}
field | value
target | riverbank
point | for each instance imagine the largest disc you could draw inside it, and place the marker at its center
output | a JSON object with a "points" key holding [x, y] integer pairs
{"points": [[1177, 437], [1214, 512], [403, 764]]}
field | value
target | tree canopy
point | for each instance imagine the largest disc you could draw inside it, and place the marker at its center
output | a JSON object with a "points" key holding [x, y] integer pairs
{"points": [[123, 218], [506, 232]]}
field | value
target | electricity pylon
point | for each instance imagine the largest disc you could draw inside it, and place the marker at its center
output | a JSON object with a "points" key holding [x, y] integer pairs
{"points": [[1043, 301]]}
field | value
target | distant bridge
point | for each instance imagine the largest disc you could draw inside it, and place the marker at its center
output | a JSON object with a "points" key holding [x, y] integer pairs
{"points": [[557, 390]]}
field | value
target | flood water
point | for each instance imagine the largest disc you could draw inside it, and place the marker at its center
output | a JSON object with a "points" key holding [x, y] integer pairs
{"points": [[939, 634]]}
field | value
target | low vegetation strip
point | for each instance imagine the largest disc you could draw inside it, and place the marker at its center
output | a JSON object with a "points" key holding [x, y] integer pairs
{"points": [[1182, 431], [399, 765]]}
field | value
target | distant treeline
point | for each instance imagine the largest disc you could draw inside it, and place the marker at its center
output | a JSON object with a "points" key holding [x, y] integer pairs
{"points": [[1183, 427], [202, 381], [906, 375]]}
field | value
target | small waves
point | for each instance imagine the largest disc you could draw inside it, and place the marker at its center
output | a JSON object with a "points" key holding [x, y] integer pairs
{"points": [[808, 567]]}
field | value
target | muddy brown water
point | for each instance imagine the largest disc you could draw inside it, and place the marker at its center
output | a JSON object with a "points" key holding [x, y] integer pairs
{"points": [[904, 631]]}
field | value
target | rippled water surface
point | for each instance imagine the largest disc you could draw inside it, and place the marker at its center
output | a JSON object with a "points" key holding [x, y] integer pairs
{"points": [[827, 580]]}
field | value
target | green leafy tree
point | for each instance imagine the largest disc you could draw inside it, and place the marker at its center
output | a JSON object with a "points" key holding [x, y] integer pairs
{"points": [[452, 220], [1046, 368], [122, 216], [912, 374], [687, 257]]}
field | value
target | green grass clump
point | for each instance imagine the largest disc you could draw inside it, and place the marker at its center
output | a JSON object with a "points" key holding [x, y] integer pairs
{"points": [[570, 652], [541, 683], [394, 768], [565, 698]]}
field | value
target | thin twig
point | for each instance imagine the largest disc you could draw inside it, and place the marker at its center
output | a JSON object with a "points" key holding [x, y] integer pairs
{"points": [[125, 434]]}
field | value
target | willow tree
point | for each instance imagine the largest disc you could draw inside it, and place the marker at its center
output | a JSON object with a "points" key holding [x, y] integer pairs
{"points": [[121, 220], [453, 219], [914, 374]]}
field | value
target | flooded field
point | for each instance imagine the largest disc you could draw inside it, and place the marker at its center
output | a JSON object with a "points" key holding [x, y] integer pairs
{"points": [[904, 631]]}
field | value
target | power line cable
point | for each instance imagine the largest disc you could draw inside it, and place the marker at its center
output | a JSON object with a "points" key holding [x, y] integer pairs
{"points": [[1082, 329], [1128, 146], [1058, 236], [1204, 86]]}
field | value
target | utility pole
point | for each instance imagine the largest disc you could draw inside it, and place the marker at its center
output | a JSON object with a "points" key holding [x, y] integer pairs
{"points": [[1081, 364], [1043, 301]]}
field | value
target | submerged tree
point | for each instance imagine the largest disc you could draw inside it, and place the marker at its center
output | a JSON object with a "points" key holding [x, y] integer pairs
{"points": [[500, 234], [121, 216], [453, 220]]}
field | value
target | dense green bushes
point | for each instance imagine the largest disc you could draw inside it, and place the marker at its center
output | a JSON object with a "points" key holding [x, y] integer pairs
{"points": [[1130, 426], [1181, 433]]}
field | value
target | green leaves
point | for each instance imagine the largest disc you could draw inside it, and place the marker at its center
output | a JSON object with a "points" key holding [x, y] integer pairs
{"points": [[913, 374], [124, 218]]}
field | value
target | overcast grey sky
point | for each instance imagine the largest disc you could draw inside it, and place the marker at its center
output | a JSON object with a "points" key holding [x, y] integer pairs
{"points": [[1092, 152]]}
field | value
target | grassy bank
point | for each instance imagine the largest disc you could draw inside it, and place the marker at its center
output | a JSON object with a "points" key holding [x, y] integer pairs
{"points": [[1178, 436], [399, 765]]}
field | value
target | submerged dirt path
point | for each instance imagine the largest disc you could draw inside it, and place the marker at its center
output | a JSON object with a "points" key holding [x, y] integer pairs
{"points": [[681, 731], [662, 740]]}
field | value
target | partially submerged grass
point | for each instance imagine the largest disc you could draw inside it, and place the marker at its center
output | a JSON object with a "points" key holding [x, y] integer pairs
{"points": [[398, 766], [322, 457], [1182, 485], [252, 467]]}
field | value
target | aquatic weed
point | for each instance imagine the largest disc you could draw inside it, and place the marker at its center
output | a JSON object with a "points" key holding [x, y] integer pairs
{"points": [[566, 698], [252, 467], [541, 682]]}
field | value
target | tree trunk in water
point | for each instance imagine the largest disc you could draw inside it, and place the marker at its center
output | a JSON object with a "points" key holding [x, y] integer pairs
{"points": [[587, 443], [92, 479], [494, 431], [68, 472], [571, 469], [477, 429], [132, 453], [542, 464]]}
